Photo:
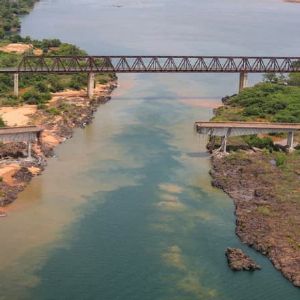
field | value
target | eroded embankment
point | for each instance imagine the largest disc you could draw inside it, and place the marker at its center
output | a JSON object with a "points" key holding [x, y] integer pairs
{"points": [[66, 111], [267, 204]]}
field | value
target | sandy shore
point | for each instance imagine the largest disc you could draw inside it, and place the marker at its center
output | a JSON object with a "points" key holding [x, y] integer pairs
{"points": [[205, 103], [17, 116], [15, 170]]}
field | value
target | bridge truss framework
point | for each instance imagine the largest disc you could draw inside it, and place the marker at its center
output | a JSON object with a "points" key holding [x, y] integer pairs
{"points": [[151, 64], [157, 64]]}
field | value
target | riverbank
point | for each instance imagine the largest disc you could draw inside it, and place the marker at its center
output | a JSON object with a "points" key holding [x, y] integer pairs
{"points": [[65, 111], [266, 202], [261, 177]]}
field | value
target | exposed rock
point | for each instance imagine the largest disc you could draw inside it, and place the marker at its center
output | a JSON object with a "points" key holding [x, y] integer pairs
{"points": [[23, 175], [13, 150], [239, 261], [227, 98], [268, 223]]}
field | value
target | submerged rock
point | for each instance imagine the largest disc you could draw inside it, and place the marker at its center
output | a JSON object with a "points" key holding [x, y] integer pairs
{"points": [[239, 261]]}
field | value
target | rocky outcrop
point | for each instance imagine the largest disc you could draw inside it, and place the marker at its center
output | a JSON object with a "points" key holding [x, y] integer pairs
{"points": [[13, 150], [239, 261], [266, 207]]}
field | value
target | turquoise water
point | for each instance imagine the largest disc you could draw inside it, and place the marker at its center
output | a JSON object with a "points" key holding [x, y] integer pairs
{"points": [[126, 210]]}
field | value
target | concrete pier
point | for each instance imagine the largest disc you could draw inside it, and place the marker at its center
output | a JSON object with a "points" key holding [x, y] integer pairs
{"points": [[91, 85], [29, 157], [290, 141], [224, 140], [243, 81], [16, 84]]}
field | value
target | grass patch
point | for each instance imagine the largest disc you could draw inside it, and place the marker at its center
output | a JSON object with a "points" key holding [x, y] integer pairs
{"points": [[264, 210]]}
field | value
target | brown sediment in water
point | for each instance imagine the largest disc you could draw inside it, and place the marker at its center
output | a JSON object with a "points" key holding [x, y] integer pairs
{"points": [[205, 103], [170, 188], [15, 171]]}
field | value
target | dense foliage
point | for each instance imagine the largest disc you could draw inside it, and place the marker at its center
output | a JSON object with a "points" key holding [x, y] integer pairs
{"points": [[10, 10], [36, 88], [272, 100], [276, 99]]}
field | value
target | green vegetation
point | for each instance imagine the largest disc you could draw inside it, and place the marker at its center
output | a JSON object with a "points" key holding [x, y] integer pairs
{"points": [[2, 123], [267, 101], [264, 210], [280, 159], [34, 89], [254, 141], [10, 12], [276, 99]]}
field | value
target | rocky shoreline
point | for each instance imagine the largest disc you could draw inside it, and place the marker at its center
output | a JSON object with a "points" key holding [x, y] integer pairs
{"points": [[57, 121], [265, 220], [239, 261]]}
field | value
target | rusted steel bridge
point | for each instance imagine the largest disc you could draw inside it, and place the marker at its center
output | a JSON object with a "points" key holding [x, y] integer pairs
{"points": [[227, 129], [155, 64]]}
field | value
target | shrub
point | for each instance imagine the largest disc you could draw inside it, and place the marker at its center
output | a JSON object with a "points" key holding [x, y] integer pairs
{"points": [[255, 141], [2, 123], [31, 97], [34, 97], [41, 86], [10, 101], [78, 81], [41, 106], [102, 81], [55, 84], [53, 111], [280, 159]]}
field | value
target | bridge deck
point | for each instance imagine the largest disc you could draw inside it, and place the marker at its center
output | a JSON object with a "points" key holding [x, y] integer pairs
{"points": [[20, 129], [20, 134], [243, 128]]}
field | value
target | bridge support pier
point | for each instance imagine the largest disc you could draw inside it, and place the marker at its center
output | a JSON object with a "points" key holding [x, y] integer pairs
{"points": [[243, 81], [16, 84], [224, 141], [29, 157], [290, 141], [91, 85]]}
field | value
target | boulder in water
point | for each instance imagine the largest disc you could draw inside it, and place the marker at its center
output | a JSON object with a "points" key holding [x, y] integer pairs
{"points": [[239, 261]]}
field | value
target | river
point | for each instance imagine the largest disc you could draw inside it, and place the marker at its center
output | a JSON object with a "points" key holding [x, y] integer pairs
{"points": [[126, 210]]}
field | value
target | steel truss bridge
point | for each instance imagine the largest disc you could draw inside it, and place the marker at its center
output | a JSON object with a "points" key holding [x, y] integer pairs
{"points": [[155, 64]]}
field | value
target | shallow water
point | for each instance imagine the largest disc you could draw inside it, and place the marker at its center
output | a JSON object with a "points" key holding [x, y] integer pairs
{"points": [[126, 210]]}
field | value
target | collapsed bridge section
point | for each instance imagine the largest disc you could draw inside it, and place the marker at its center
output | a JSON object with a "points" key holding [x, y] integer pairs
{"points": [[27, 134], [227, 129]]}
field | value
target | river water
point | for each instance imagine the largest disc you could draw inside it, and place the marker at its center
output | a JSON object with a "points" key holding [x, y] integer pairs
{"points": [[126, 210]]}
